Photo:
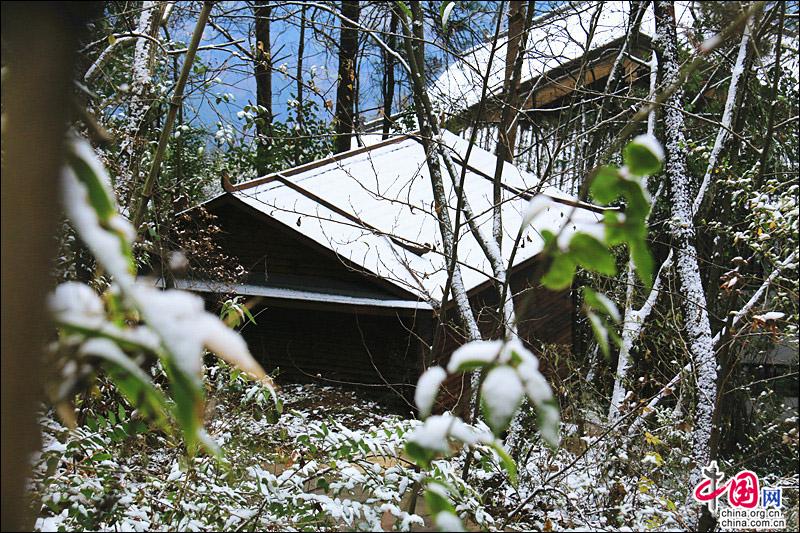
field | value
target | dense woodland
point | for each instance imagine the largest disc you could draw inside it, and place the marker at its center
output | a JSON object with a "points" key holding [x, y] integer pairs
{"points": [[134, 405]]}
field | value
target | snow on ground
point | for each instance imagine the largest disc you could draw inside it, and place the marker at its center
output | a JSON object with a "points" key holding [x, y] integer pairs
{"points": [[333, 460]]}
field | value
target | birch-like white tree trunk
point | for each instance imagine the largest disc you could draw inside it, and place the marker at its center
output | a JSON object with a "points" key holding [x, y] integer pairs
{"points": [[696, 322], [140, 94], [634, 320]]}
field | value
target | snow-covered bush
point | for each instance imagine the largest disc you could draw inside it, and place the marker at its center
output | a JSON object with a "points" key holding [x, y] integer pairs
{"points": [[131, 321]]}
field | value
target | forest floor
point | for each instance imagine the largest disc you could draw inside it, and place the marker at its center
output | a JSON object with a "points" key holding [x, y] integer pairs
{"points": [[334, 460]]}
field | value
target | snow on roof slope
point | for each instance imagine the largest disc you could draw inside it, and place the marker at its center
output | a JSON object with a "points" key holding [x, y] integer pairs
{"points": [[375, 209], [556, 38]]}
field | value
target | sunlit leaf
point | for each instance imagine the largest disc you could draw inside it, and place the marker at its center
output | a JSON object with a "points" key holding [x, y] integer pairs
{"points": [[602, 303], [444, 11], [643, 155], [592, 254], [506, 461], [604, 187], [600, 332], [549, 421], [560, 274], [404, 8]]}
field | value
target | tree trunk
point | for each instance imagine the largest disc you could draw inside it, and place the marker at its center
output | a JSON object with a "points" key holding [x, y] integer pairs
{"points": [[698, 328], [345, 91], [301, 50], [166, 132], [263, 75], [508, 125], [388, 74], [507, 129], [39, 71], [139, 105]]}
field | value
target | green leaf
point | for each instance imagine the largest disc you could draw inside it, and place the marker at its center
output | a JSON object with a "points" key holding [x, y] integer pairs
{"points": [[131, 380], [404, 8], [506, 461], [592, 254], [614, 222], [436, 500], [248, 314], [188, 404], [602, 303], [468, 365], [100, 456], [637, 204], [600, 333], [642, 156], [421, 456], [560, 274], [643, 261], [444, 12], [605, 185], [549, 421], [99, 197]]}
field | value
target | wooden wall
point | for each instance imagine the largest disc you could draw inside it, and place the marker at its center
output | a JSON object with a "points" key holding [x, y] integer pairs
{"points": [[338, 347], [276, 256], [384, 352]]}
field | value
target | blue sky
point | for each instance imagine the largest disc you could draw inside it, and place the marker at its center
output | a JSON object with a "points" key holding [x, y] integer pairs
{"points": [[320, 61]]}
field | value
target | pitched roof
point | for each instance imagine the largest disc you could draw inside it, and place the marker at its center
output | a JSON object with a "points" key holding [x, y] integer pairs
{"points": [[556, 39], [373, 206]]}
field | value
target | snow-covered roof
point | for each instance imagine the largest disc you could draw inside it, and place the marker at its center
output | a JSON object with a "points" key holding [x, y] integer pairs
{"points": [[374, 207], [556, 39]]}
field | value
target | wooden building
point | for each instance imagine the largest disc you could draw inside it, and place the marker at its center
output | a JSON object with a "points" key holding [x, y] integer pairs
{"points": [[346, 259], [570, 52]]}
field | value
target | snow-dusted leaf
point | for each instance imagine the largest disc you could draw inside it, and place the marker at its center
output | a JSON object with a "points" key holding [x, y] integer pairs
{"points": [[448, 521], [602, 303], [437, 496], [538, 205], [110, 247], [506, 461], [769, 316], [131, 380], [427, 389], [444, 12], [77, 304], [536, 386], [230, 346], [549, 422], [501, 394], [516, 353], [600, 332], [475, 354], [83, 161], [643, 155]]}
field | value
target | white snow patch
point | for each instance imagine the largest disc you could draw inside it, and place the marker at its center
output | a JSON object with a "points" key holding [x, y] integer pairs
{"points": [[501, 393], [427, 389]]}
